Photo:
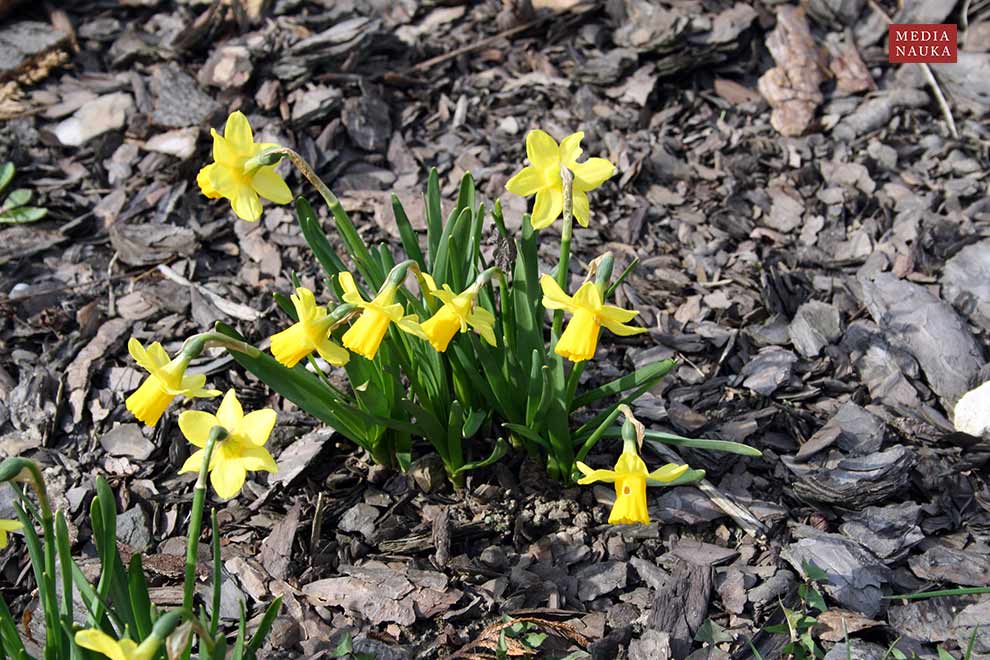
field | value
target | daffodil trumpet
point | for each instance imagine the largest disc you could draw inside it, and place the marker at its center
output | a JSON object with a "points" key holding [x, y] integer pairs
{"points": [[310, 332], [365, 335]]}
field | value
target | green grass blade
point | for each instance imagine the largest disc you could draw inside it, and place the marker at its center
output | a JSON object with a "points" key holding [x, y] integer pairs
{"points": [[251, 651], [652, 372], [434, 216], [959, 591], [137, 588], [406, 233], [6, 175]]}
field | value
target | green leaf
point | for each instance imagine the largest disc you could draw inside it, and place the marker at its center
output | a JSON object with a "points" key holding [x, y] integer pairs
{"points": [[498, 451], [535, 639], [217, 572], [434, 216], [238, 651], [10, 639], [16, 198], [65, 561], [813, 597], [139, 596], [316, 238], [527, 433], [960, 591], [263, 629], [406, 233], [344, 647], [473, 422], [944, 655], [643, 376], [712, 633], [813, 572], [22, 216], [6, 175], [727, 446]]}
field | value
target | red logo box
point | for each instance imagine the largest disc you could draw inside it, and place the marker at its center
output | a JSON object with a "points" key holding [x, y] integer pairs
{"points": [[922, 43]]}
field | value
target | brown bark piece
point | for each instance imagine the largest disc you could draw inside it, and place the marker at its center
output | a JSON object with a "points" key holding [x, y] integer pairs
{"points": [[791, 88]]}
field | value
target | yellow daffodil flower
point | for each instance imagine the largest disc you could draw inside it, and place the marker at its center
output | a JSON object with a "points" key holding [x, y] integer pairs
{"points": [[629, 477], [125, 649], [229, 178], [542, 177], [457, 314], [242, 450], [366, 334], [580, 338], [168, 380], [7, 526], [308, 334]]}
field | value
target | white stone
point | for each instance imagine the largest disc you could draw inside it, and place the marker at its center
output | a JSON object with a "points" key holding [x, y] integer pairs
{"points": [[972, 413], [100, 115], [180, 143]]}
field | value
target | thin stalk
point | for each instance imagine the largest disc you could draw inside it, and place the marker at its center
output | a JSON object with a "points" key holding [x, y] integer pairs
{"points": [[217, 434], [566, 230]]}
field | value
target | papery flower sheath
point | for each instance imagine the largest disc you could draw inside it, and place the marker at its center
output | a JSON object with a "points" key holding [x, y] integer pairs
{"points": [[629, 476], [579, 340], [229, 178], [310, 333], [542, 177], [7, 526], [242, 450], [365, 335], [458, 313], [166, 381]]}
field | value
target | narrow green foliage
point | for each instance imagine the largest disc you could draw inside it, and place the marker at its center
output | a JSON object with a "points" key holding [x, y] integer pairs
{"points": [[14, 208]]}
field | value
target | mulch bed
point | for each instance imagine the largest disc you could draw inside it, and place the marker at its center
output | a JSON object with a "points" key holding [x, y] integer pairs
{"points": [[825, 294]]}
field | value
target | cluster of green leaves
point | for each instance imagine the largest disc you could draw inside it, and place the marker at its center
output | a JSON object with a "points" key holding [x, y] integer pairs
{"points": [[119, 603], [14, 209], [518, 392]]}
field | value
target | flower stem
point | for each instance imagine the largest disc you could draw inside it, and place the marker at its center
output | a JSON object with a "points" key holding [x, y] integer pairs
{"points": [[566, 229], [195, 345], [217, 434]]}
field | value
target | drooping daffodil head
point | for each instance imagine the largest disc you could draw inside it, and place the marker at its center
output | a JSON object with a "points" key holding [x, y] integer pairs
{"points": [[7, 526], [241, 451], [232, 177], [459, 311], [630, 476], [310, 333], [579, 340], [542, 177], [167, 379], [365, 335], [95, 639]]}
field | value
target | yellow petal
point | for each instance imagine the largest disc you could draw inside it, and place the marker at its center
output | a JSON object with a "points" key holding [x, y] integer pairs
{"points": [[588, 295], [570, 148], [351, 293], [549, 204], [257, 459], [542, 150], [99, 641], [630, 463], [431, 284], [668, 473], [225, 155], [617, 314], [10, 525], [553, 296], [591, 476], [483, 321], [526, 182], [158, 355], [591, 173], [256, 426], [267, 183], [333, 353], [410, 325], [305, 303], [193, 463], [581, 207], [228, 478], [246, 204], [3, 539], [196, 425], [238, 134], [230, 413], [140, 355], [619, 328]]}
